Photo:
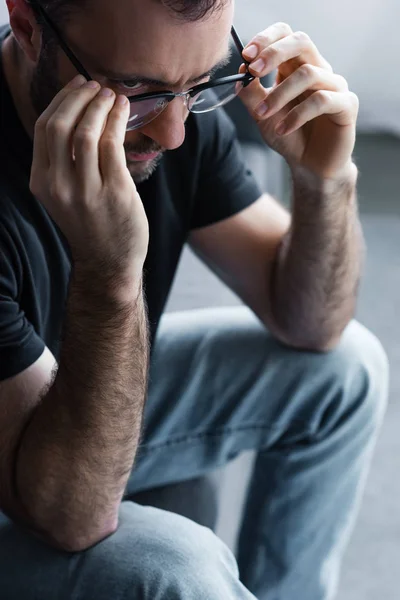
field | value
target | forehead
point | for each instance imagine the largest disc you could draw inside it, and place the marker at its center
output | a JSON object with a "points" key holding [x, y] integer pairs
{"points": [[130, 35]]}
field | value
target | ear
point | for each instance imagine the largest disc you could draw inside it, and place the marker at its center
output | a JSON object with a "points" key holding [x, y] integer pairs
{"points": [[25, 28]]}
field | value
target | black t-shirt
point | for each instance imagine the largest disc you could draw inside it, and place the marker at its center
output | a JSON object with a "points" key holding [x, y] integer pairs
{"points": [[202, 182]]}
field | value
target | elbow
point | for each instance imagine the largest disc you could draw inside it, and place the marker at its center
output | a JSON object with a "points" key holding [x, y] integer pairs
{"points": [[61, 525], [68, 537], [81, 540], [321, 346], [305, 335], [305, 344], [73, 539], [308, 340]]}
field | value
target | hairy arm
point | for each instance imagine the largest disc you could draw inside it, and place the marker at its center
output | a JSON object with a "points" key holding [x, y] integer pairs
{"points": [[317, 269], [78, 446], [298, 273]]}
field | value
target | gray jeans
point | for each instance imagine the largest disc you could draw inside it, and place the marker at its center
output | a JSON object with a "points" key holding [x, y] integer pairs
{"points": [[219, 385]]}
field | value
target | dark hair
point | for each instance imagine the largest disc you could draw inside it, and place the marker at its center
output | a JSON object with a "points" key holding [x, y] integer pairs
{"points": [[187, 10]]}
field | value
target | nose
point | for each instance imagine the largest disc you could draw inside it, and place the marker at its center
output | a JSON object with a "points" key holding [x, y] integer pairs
{"points": [[168, 129]]}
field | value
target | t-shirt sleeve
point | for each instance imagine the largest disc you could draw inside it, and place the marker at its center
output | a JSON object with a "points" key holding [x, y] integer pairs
{"points": [[225, 184], [20, 346]]}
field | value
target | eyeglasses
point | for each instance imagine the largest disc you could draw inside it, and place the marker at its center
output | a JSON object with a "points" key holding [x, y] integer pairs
{"points": [[144, 108]]}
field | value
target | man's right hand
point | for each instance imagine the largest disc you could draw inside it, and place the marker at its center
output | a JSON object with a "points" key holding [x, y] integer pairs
{"points": [[79, 174]]}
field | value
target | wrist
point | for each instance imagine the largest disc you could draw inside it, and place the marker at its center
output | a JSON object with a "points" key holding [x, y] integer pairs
{"points": [[305, 178], [105, 288]]}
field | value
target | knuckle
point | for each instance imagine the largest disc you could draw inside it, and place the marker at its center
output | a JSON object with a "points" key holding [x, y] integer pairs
{"points": [[271, 53], [268, 35], [307, 72], [108, 143], [117, 114], [354, 100], [342, 82], [56, 126], [263, 38], [40, 124], [294, 114], [302, 37], [284, 27], [57, 190], [85, 136], [322, 98]]}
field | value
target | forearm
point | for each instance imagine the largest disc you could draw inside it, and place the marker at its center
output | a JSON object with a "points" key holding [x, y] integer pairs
{"points": [[315, 282], [78, 450]]}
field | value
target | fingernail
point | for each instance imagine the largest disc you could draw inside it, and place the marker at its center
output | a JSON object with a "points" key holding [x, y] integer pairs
{"points": [[77, 81], [281, 128], [106, 92], [262, 109], [121, 100], [258, 65], [251, 51], [92, 84]]}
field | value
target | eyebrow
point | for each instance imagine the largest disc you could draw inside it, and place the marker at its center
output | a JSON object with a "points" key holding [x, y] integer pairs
{"points": [[124, 77]]}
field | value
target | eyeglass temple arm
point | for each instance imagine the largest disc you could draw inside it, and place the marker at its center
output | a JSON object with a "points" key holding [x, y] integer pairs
{"points": [[238, 43], [78, 66]]}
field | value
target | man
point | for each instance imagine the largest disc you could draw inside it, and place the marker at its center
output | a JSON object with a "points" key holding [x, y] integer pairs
{"points": [[93, 220]]}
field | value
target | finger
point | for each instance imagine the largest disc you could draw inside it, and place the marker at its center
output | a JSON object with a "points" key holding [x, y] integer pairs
{"points": [[265, 38], [111, 146], [295, 46], [254, 95], [343, 108], [61, 125], [305, 78], [87, 136], [41, 158]]}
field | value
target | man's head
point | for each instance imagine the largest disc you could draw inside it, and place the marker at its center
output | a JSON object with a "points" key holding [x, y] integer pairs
{"points": [[176, 42]]}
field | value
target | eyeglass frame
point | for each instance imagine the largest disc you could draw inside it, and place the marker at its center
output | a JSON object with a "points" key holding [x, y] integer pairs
{"points": [[245, 78]]}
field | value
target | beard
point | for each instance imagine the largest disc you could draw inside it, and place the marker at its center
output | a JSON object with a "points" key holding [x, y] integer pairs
{"points": [[142, 170], [46, 84]]}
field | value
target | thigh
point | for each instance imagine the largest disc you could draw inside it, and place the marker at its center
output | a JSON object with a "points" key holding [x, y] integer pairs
{"points": [[154, 555], [221, 384]]}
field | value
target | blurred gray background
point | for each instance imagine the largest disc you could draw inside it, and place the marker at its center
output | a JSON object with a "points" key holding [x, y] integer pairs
{"points": [[361, 41]]}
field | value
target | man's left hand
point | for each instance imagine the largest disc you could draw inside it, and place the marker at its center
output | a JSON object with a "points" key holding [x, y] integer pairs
{"points": [[309, 115]]}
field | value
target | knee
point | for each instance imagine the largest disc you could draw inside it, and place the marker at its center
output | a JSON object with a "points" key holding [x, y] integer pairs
{"points": [[181, 553], [359, 372], [364, 368], [348, 385], [157, 554]]}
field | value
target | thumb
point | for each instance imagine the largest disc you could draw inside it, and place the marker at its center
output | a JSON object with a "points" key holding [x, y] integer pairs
{"points": [[254, 96]]}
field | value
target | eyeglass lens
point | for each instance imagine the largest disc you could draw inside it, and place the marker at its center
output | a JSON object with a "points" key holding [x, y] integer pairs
{"points": [[215, 97], [144, 111]]}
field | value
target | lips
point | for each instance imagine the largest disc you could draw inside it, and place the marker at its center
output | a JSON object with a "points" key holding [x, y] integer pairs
{"points": [[132, 156]]}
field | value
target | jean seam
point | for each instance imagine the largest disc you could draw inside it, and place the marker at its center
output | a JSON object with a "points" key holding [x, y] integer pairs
{"points": [[206, 435]]}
